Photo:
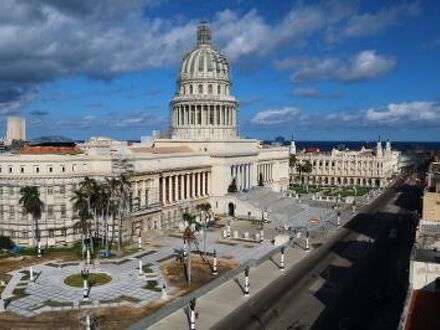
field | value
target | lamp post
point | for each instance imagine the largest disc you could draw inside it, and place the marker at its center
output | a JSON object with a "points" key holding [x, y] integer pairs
{"points": [[214, 264], [307, 240], [246, 282], [85, 275], [192, 315]]}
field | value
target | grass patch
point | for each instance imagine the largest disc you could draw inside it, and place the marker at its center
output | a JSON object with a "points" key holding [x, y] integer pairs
{"points": [[147, 268], [55, 303], [85, 303], [95, 279], [120, 299], [152, 285], [226, 243]]}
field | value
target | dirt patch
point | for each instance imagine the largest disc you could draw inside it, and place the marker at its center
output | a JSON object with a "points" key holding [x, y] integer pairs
{"points": [[201, 272]]}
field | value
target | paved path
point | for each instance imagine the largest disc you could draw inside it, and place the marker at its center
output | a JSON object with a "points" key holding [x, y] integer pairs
{"points": [[213, 306]]}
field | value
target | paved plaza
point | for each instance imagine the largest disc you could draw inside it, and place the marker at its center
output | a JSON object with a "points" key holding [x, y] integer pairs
{"points": [[48, 292]]}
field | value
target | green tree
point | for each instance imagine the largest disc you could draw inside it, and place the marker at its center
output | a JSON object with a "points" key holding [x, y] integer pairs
{"points": [[189, 238], [80, 206], [32, 204]]}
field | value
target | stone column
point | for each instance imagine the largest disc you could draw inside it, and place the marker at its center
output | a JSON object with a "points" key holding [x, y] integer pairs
{"points": [[182, 186], [188, 192], [176, 187], [164, 199], [192, 185], [203, 184], [170, 198]]}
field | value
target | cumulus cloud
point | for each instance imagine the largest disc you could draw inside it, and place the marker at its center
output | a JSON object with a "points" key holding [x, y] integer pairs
{"points": [[419, 112], [314, 93], [275, 116], [396, 115], [365, 65], [372, 23]]}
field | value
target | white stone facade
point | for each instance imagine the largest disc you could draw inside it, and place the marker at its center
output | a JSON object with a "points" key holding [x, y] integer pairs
{"points": [[197, 163], [365, 167]]}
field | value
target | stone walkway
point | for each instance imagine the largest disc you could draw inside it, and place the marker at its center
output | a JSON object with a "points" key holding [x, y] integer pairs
{"points": [[48, 285]]}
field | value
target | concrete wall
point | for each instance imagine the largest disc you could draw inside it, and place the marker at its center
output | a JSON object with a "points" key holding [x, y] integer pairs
{"points": [[431, 206]]}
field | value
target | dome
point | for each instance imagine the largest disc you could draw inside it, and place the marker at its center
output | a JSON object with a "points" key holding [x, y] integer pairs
{"points": [[204, 61]]}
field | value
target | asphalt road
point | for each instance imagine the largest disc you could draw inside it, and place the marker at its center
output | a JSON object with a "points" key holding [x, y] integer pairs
{"points": [[356, 280]]}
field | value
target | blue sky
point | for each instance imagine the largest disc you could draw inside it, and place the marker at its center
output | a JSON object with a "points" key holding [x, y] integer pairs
{"points": [[320, 70]]}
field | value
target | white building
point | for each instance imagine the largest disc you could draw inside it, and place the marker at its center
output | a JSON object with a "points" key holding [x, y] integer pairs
{"points": [[366, 167], [196, 163], [15, 129]]}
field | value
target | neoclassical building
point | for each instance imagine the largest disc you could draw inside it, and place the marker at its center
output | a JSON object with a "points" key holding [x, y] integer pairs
{"points": [[366, 167], [196, 163]]}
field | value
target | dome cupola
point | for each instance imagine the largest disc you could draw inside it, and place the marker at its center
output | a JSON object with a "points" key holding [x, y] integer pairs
{"points": [[203, 108]]}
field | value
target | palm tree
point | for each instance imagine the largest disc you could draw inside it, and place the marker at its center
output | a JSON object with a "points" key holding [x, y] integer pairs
{"points": [[204, 209], [292, 164], [124, 188], [80, 206], [190, 238], [90, 188], [32, 204], [307, 167]]}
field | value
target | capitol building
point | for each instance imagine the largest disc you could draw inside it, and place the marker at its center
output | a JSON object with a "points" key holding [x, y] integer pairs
{"points": [[197, 163]]}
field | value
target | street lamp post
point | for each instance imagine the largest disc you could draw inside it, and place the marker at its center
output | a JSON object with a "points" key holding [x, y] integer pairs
{"points": [[85, 275], [214, 265], [192, 315], [246, 282]]}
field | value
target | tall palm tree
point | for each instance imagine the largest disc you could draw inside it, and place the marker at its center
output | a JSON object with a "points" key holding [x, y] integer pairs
{"points": [[292, 164], [204, 209], [80, 206], [90, 188], [32, 204], [124, 189], [190, 238]]}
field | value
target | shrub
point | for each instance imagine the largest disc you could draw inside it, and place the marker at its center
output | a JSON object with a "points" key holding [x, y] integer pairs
{"points": [[6, 242]]}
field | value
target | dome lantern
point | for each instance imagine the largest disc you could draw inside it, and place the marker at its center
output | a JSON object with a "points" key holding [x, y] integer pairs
{"points": [[204, 34]]}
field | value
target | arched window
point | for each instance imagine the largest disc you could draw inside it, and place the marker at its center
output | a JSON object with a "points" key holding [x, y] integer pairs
{"points": [[200, 89], [209, 89], [191, 89], [218, 89]]}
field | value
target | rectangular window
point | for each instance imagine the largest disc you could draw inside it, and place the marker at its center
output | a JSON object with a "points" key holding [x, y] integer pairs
{"points": [[63, 168], [50, 169], [62, 189], [22, 169], [51, 233], [63, 211], [36, 169], [50, 211], [50, 190], [10, 169]]}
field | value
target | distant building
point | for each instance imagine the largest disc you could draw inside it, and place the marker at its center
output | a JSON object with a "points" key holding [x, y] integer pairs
{"points": [[15, 129], [422, 303], [431, 196], [366, 167]]}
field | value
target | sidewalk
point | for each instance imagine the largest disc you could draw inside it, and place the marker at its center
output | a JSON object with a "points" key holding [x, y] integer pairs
{"points": [[215, 305]]}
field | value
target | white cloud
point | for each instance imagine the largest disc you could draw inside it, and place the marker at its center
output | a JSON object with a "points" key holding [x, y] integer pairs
{"points": [[275, 117], [314, 93], [421, 114], [412, 112], [365, 65], [372, 23]]}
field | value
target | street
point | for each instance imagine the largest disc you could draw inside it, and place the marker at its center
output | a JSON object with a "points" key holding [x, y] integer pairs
{"points": [[356, 280]]}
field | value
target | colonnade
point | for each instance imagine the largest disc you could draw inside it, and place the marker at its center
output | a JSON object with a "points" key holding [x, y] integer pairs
{"points": [[266, 171], [242, 174], [140, 191], [204, 115], [342, 181], [176, 187]]}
